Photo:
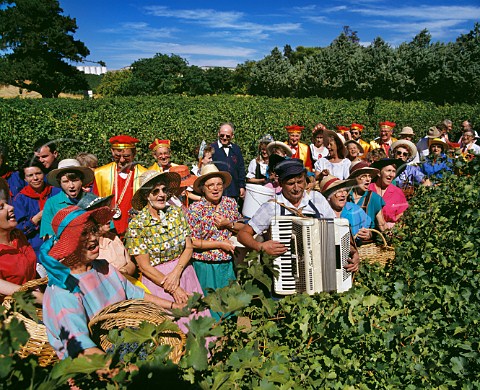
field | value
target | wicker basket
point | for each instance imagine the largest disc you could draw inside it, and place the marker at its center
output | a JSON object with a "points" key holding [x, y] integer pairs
{"points": [[374, 253], [38, 344], [131, 313]]}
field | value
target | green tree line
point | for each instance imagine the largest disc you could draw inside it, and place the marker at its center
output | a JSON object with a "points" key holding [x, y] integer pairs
{"points": [[417, 70]]}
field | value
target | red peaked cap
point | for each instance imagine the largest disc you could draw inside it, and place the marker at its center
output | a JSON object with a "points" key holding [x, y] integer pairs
{"points": [[123, 142], [356, 126], [388, 124], [294, 128], [343, 128], [165, 143]]}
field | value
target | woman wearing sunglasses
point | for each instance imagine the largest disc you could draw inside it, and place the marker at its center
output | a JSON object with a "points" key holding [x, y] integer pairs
{"points": [[158, 237], [410, 174]]}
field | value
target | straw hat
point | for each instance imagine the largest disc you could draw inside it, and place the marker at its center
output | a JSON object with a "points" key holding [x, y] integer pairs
{"points": [[69, 165], [352, 141], [279, 145], [187, 179], [361, 168], [438, 141], [433, 132], [148, 180], [68, 225], [407, 130], [208, 171], [329, 184], [407, 144]]}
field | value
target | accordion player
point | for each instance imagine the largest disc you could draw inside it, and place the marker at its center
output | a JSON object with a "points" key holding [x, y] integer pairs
{"points": [[317, 252]]}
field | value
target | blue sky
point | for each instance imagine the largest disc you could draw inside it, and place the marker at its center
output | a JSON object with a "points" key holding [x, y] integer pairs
{"points": [[214, 33]]}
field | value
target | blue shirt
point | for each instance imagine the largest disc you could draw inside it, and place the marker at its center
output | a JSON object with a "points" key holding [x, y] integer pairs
{"points": [[356, 216], [375, 205], [55, 204]]}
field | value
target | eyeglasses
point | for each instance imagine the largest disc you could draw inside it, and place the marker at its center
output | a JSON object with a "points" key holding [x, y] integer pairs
{"points": [[404, 154], [156, 191], [226, 136], [214, 186], [354, 132]]}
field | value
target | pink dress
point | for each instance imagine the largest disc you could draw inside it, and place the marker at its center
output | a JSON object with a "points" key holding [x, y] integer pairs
{"points": [[395, 202]]}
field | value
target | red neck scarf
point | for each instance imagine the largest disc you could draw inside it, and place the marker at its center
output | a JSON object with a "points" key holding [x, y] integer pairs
{"points": [[40, 196]]}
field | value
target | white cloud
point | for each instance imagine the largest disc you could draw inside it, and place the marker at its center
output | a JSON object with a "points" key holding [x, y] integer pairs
{"points": [[424, 12], [219, 20], [141, 29]]}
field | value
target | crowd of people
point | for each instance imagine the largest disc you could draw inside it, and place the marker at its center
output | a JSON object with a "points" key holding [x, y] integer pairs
{"points": [[103, 234]]}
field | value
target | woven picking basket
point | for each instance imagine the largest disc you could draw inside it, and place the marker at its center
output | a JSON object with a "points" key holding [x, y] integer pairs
{"points": [[131, 313], [38, 343], [374, 253]]}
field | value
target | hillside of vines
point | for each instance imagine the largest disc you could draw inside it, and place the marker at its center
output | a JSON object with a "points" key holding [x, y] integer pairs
{"points": [[86, 125]]}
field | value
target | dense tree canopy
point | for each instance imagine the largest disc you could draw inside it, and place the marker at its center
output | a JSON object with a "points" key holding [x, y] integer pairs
{"points": [[418, 70], [36, 43]]}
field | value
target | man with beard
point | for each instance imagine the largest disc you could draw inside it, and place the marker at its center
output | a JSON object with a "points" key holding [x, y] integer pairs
{"points": [[120, 178]]}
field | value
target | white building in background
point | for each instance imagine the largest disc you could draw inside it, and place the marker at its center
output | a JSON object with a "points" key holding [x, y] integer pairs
{"points": [[98, 70]]}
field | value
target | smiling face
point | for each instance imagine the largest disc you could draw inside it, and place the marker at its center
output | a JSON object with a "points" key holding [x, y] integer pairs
{"points": [[7, 216], [162, 155], [213, 189], [34, 178], [353, 150], [385, 133], [71, 184], [293, 139], [123, 158], [225, 135], [387, 174], [332, 148]]}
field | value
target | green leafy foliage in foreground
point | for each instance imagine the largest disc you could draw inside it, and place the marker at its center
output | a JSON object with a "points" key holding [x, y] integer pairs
{"points": [[413, 324]]}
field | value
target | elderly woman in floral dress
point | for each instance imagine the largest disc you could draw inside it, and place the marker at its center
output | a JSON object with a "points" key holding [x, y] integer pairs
{"points": [[158, 237], [213, 220]]}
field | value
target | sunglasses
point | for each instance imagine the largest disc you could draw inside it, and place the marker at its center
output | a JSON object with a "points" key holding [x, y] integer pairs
{"points": [[156, 191], [404, 154], [354, 132], [226, 136]]}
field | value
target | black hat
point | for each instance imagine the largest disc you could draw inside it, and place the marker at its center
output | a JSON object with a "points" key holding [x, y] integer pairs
{"points": [[289, 168], [273, 160]]}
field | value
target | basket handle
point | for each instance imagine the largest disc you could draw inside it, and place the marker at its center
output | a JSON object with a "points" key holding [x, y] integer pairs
{"points": [[379, 233], [32, 284]]}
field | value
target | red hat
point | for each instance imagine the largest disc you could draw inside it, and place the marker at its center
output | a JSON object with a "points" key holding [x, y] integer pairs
{"points": [[159, 143], [68, 224], [123, 142], [187, 179], [388, 124], [342, 129], [356, 126], [294, 129]]}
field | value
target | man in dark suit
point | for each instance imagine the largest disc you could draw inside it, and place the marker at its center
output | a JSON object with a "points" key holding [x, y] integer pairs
{"points": [[229, 158]]}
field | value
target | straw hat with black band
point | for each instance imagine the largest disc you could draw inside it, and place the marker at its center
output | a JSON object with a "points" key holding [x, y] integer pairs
{"points": [[148, 180], [279, 145], [66, 166], [406, 144], [208, 171], [330, 184]]}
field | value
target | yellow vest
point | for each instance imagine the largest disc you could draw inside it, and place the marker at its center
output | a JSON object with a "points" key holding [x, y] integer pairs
{"points": [[105, 177], [158, 168]]}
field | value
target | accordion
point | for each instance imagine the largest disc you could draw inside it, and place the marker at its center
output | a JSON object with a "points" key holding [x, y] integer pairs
{"points": [[317, 251]]}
